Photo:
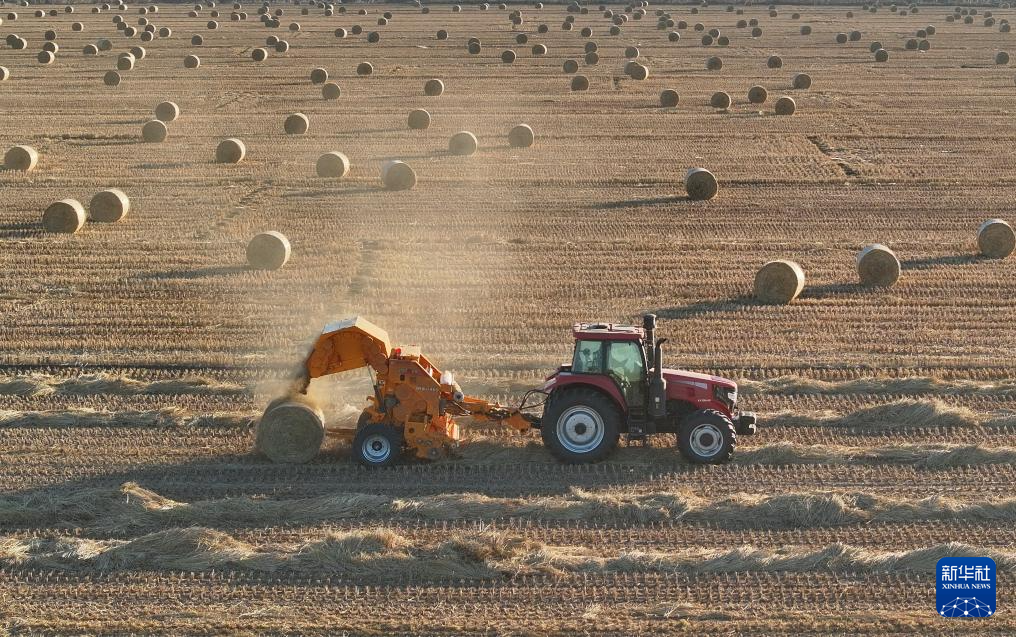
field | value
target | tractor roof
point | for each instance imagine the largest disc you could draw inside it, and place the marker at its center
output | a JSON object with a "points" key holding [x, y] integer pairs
{"points": [[607, 332]]}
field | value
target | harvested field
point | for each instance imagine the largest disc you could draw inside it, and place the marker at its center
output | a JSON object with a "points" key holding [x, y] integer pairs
{"points": [[136, 357]]}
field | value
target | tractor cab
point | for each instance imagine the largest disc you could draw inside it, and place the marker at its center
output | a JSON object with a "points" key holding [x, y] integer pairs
{"points": [[617, 373]]}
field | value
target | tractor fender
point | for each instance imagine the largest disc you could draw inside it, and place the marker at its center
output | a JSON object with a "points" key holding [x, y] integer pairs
{"points": [[566, 380]]}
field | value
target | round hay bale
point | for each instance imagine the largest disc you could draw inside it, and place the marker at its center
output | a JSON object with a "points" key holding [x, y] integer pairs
{"points": [[294, 27], [758, 95], [433, 88], [331, 91], [332, 164], [197, 40], [638, 71], [874, 46], [674, 36], [90, 49], [877, 266], [586, 32], [290, 432], [109, 206], [923, 45], [571, 66], [397, 175], [138, 52], [442, 34], [268, 251], [111, 78], [356, 29], [508, 56], [521, 38], [720, 100], [631, 52], [318, 76], [723, 40], [707, 40], [539, 49], [167, 112], [462, 143], [580, 83], [191, 62], [521, 136], [779, 282], [881, 55], [473, 48], [104, 45], [259, 54], [23, 158], [154, 131], [786, 106], [165, 32], [281, 46], [296, 124], [1001, 58], [700, 184], [147, 36], [373, 37], [855, 36], [805, 29], [996, 239], [774, 62], [340, 33], [45, 57], [212, 25], [756, 32], [669, 98], [592, 58], [419, 119], [52, 47], [125, 62], [802, 81], [49, 36], [911, 44], [364, 68], [930, 29], [65, 216], [230, 151], [714, 63], [841, 38]]}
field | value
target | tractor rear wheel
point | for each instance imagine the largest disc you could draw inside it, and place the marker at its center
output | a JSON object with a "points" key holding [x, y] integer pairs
{"points": [[377, 445], [707, 437], [580, 425]]}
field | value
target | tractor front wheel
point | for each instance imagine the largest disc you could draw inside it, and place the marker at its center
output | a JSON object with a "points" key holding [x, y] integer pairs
{"points": [[707, 437], [580, 425], [377, 445]]}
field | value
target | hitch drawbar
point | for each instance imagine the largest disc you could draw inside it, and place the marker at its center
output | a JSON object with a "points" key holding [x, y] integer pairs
{"points": [[746, 424]]}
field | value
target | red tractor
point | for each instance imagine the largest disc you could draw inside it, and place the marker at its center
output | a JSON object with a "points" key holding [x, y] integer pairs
{"points": [[616, 385]]}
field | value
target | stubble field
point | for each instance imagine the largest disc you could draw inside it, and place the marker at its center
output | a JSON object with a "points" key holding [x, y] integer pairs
{"points": [[137, 356]]}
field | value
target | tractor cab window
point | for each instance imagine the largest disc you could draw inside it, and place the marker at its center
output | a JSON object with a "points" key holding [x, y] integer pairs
{"points": [[588, 357], [625, 361]]}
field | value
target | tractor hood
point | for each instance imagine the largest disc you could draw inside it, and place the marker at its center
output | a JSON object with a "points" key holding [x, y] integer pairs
{"points": [[694, 379]]}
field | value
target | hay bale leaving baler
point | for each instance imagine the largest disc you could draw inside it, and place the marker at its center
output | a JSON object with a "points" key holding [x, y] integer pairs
{"points": [[290, 431]]}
